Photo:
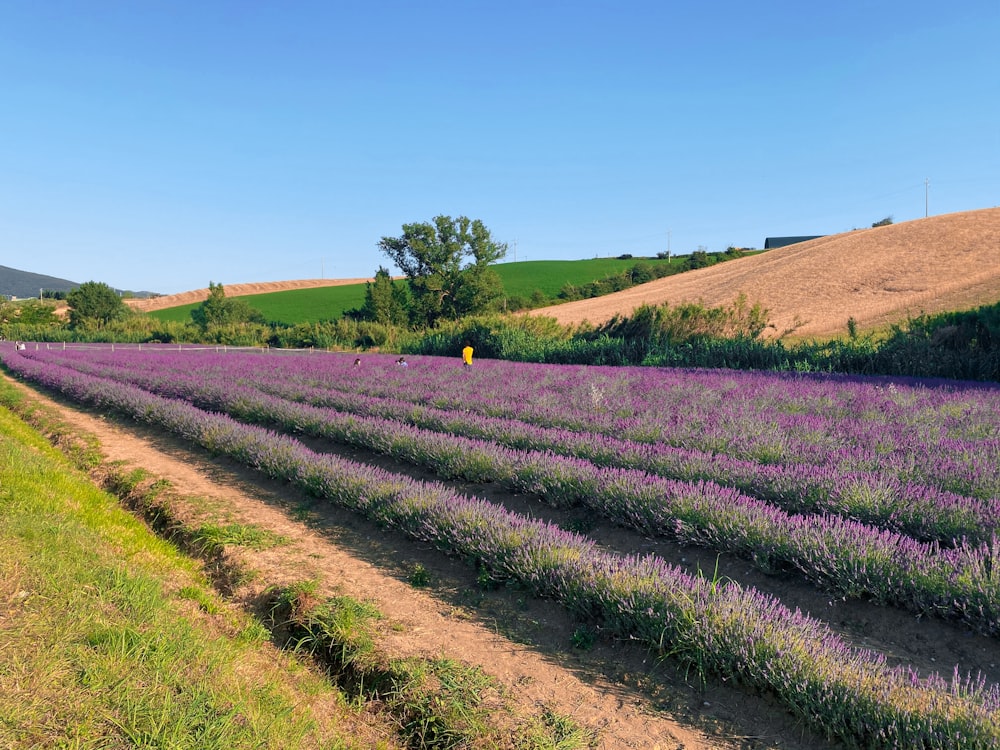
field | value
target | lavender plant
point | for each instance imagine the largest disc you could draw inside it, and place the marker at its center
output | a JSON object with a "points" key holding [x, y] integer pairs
{"points": [[726, 629], [872, 496], [850, 557]]}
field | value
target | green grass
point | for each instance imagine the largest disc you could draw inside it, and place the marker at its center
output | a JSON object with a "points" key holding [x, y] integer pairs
{"points": [[290, 307], [520, 279], [105, 632], [212, 537]]}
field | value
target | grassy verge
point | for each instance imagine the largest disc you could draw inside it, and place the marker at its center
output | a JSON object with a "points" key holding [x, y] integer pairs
{"points": [[105, 637]]}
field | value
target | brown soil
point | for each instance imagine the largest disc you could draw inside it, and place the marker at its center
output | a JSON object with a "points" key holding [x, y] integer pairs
{"points": [[234, 290], [618, 689], [878, 276]]}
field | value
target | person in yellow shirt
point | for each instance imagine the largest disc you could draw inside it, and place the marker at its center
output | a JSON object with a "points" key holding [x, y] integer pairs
{"points": [[467, 355]]}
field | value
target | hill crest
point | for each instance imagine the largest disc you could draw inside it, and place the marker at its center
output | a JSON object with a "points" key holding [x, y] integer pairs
{"points": [[24, 284], [878, 276]]}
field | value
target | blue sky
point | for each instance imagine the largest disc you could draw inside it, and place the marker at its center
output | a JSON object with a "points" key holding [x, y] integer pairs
{"points": [[158, 145]]}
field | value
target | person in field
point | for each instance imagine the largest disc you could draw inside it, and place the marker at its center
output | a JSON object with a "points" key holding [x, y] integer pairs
{"points": [[467, 355], [402, 362]]}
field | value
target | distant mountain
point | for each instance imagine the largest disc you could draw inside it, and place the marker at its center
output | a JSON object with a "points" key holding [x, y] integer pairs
{"points": [[22, 284]]}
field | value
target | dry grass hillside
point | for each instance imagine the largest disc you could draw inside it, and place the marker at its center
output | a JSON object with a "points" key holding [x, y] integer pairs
{"points": [[877, 276]]}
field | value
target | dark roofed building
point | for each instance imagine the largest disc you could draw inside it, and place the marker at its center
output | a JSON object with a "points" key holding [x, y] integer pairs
{"points": [[772, 242]]}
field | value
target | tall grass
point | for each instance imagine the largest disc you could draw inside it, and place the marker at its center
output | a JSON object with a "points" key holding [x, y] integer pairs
{"points": [[101, 647]]}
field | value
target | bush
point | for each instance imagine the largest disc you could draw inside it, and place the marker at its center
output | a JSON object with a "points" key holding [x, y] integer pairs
{"points": [[699, 259]]}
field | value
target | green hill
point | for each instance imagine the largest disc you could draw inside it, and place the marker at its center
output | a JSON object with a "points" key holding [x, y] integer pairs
{"points": [[549, 276], [290, 307], [525, 279], [23, 284]]}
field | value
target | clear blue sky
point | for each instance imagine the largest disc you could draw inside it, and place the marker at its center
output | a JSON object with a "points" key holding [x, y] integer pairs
{"points": [[163, 144]]}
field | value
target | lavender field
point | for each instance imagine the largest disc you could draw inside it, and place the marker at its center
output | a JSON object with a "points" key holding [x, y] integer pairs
{"points": [[878, 490]]}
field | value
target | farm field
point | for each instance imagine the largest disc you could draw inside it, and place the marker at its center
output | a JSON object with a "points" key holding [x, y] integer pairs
{"points": [[522, 278], [828, 542], [878, 276], [291, 306], [307, 301]]}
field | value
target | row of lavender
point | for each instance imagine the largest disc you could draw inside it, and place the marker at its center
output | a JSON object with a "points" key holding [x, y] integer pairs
{"points": [[879, 497], [875, 497], [845, 692], [948, 437], [853, 558], [945, 437]]}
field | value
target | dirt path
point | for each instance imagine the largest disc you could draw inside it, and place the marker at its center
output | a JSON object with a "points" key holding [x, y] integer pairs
{"points": [[614, 687]]}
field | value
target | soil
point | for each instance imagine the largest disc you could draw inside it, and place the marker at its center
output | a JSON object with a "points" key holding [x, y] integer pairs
{"points": [[879, 276], [618, 689]]}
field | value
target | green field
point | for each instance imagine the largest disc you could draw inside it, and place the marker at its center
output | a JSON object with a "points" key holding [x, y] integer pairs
{"points": [[549, 276], [294, 306], [520, 279]]}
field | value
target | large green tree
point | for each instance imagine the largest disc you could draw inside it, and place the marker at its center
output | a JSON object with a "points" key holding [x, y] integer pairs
{"points": [[94, 303], [218, 310], [385, 300], [447, 266], [31, 312]]}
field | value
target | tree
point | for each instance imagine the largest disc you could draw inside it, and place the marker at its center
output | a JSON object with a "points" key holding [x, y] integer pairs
{"points": [[699, 259], [30, 312], [36, 313], [217, 310], [887, 221], [385, 300], [481, 290], [640, 273], [94, 302], [446, 264]]}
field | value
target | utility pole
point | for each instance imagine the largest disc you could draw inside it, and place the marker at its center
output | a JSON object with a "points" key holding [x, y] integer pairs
{"points": [[927, 184], [668, 244]]}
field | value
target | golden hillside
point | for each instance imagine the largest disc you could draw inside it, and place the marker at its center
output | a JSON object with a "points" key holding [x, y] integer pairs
{"points": [[877, 276]]}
